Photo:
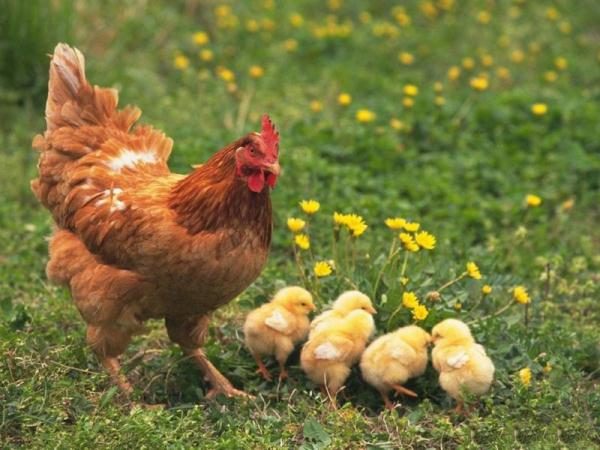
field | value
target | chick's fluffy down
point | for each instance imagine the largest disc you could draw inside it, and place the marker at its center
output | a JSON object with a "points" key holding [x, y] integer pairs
{"points": [[346, 303]]}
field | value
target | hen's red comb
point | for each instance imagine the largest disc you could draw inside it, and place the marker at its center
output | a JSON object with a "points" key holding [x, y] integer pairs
{"points": [[270, 135]]}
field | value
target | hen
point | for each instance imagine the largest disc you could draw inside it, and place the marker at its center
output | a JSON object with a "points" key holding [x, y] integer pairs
{"points": [[135, 241]]}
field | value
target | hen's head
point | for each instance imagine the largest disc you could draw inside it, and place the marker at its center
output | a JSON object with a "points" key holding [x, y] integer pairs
{"points": [[257, 159]]}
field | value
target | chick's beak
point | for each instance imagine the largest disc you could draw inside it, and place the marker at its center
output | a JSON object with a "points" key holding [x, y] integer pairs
{"points": [[372, 310], [313, 307]]}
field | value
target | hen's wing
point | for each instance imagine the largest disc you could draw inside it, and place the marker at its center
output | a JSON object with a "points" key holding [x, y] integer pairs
{"points": [[90, 155]]}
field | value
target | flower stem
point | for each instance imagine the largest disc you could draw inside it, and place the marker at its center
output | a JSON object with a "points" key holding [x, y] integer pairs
{"points": [[387, 262], [451, 282], [497, 313], [404, 262]]}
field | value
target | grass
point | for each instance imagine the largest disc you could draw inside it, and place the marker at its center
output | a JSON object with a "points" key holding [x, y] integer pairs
{"points": [[462, 170]]}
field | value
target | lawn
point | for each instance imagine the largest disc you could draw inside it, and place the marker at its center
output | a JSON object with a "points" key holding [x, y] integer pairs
{"points": [[476, 119]]}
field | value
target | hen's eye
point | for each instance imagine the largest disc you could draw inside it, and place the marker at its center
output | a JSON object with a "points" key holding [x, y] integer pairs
{"points": [[252, 151]]}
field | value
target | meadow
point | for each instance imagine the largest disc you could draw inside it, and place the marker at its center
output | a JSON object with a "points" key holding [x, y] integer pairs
{"points": [[476, 120]]}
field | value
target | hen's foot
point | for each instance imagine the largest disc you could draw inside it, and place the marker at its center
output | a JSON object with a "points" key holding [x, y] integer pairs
{"points": [[227, 391], [113, 367]]}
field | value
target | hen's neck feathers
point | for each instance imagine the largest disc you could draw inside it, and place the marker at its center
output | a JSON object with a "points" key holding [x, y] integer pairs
{"points": [[213, 197]]}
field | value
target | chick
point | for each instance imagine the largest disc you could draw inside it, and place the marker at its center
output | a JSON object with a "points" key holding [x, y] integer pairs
{"points": [[330, 353], [463, 364], [394, 358], [275, 327], [343, 305]]}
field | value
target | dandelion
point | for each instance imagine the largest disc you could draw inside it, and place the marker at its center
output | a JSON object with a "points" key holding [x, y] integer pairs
{"points": [[517, 56], [252, 25], [397, 124], [408, 242], [310, 206], [521, 296], [406, 58], [206, 55], [355, 224], [486, 289], [302, 241], [484, 17], [344, 99], [223, 10], [316, 106], [561, 63], [395, 223], [458, 306], [290, 45], [567, 204], [565, 27], [552, 13], [322, 269], [181, 62], [200, 38], [550, 76], [296, 20], [503, 73], [533, 200], [539, 109], [479, 83], [365, 116], [404, 281], [438, 87], [225, 74], [468, 63], [410, 90], [408, 102], [473, 271], [425, 240], [453, 73], [295, 225], [256, 71], [487, 60], [439, 100], [525, 376], [420, 312], [412, 226], [409, 300], [339, 218], [547, 368]]}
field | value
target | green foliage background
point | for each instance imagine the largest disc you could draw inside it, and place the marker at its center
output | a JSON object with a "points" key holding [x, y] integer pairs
{"points": [[462, 170]]}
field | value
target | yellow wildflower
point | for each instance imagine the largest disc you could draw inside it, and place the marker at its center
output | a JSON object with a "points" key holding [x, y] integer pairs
{"points": [[358, 229], [339, 218], [397, 124], [458, 306], [322, 269], [525, 376], [468, 63], [200, 38], [395, 223], [547, 368], [290, 45], [567, 204], [487, 60], [539, 109], [520, 295], [302, 241], [316, 106], [550, 76], [412, 226], [439, 100], [252, 25], [533, 200], [425, 240], [344, 99], [223, 10], [408, 242], [295, 225], [517, 56], [438, 87], [256, 71], [420, 312], [453, 73], [181, 62], [561, 63], [296, 20], [503, 73], [406, 58], [225, 74], [565, 27], [486, 289], [473, 270], [479, 83], [552, 13], [404, 281], [310, 206], [409, 300], [365, 116], [484, 17], [411, 90], [206, 54], [408, 102]]}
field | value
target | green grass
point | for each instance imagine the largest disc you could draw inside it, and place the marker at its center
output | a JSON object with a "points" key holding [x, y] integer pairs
{"points": [[462, 170]]}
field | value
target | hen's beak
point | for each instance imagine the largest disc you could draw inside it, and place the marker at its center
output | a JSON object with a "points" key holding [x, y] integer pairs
{"points": [[273, 168]]}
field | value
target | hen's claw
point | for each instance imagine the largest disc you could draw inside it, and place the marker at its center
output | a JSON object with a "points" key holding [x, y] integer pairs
{"points": [[227, 392]]}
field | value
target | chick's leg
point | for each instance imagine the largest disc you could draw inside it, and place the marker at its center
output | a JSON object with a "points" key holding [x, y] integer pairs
{"points": [[282, 352], [402, 390], [190, 334], [262, 369], [386, 400]]}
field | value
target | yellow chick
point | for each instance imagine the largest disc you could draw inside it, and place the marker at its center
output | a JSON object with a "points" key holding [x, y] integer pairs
{"points": [[330, 353], [275, 327], [463, 364], [343, 305], [393, 358]]}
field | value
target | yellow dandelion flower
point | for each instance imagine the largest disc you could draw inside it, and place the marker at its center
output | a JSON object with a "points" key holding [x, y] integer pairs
{"points": [[339, 218], [409, 300], [316, 106], [256, 71], [412, 226], [468, 63], [561, 63], [295, 225], [408, 242], [552, 13], [404, 281], [525, 376], [473, 270], [231, 88], [484, 17], [395, 223], [550, 76], [358, 229], [310, 206], [438, 87], [520, 295], [425, 240], [408, 102], [322, 269], [252, 25], [533, 200], [439, 100], [302, 241], [223, 10], [397, 124], [420, 312], [479, 83], [486, 289], [364, 16], [296, 20], [290, 45], [344, 99], [200, 38], [410, 90], [487, 60], [517, 56], [458, 306], [453, 73], [547, 368], [406, 58], [503, 73], [206, 55], [539, 109], [365, 116], [565, 27], [567, 204], [225, 74], [181, 62]]}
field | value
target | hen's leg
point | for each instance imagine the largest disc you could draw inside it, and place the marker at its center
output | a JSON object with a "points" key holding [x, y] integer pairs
{"points": [[108, 343], [190, 334]]}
